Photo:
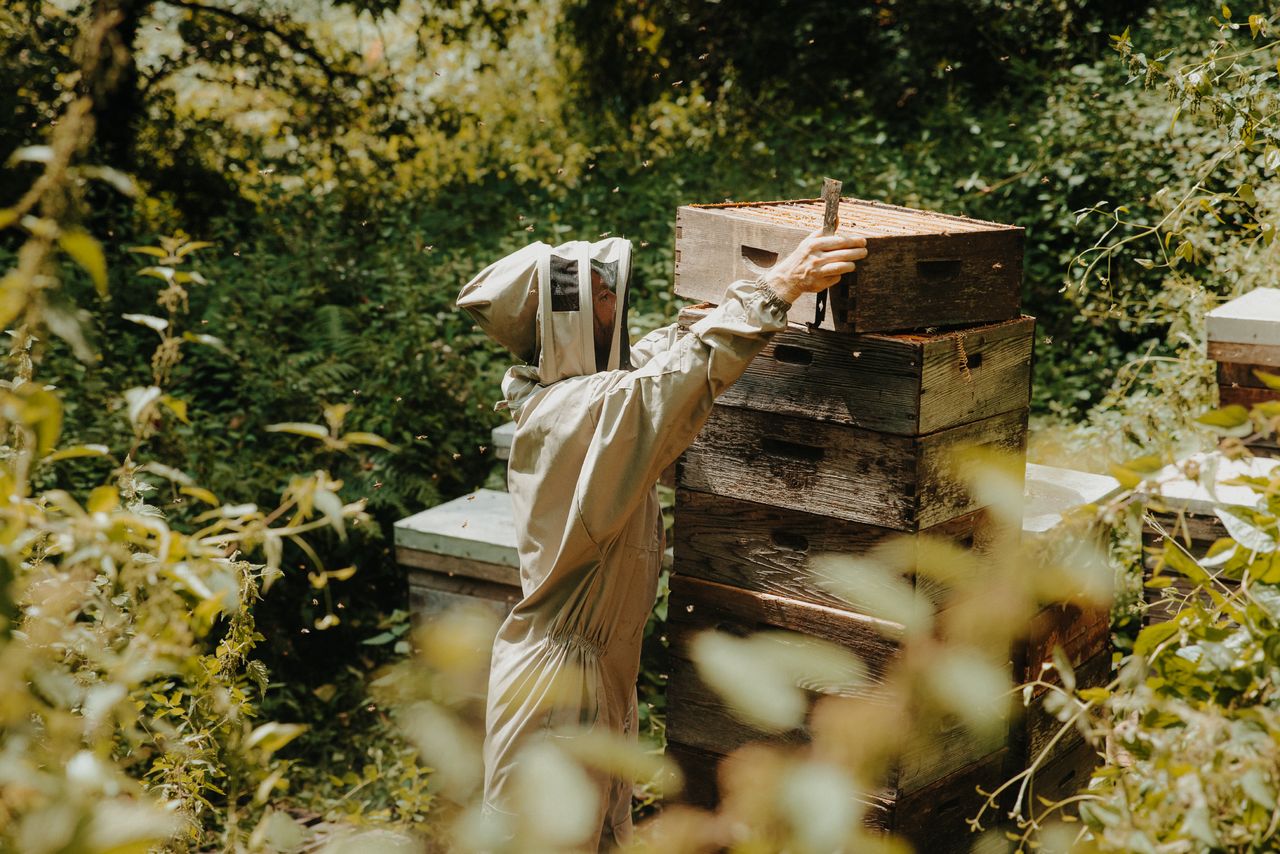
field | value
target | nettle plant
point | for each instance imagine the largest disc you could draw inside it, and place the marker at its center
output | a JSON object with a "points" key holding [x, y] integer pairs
{"points": [[128, 716]]}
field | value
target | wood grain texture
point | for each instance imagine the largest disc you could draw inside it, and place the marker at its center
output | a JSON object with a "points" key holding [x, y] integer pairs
{"points": [[1250, 354], [1083, 634], [907, 281], [1065, 775], [451, 566], [708, 605], [898, 482], [903, 384], [697, 715], [1196, 533], [1241, 374], [1034, 727], [756, 547], [431, 594], [932, 818], [1245, 396], [1194, 530]]}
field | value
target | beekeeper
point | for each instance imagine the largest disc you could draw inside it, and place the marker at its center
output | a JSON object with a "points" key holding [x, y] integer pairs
{"points": [[597, 420]]}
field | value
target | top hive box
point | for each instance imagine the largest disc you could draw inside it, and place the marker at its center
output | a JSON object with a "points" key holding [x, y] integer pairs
{"points": [[1246, 330], [922, 269]]}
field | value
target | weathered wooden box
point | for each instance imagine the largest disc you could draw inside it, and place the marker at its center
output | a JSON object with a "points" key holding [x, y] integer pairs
{"points": [[1183, 508], [767, 549], [906, 384], [461, 552], [905, 483], [922, 269], [1244, 338], [933, 818], [697, 716]]}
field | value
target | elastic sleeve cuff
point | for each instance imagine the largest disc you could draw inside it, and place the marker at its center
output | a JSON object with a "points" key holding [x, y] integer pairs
{"points": [[771, 297]]}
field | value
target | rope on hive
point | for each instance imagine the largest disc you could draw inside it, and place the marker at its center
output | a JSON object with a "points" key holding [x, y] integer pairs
{"points": [[964, 360]]}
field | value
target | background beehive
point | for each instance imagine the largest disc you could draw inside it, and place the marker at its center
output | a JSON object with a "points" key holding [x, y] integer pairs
{"points": [[1185, 509], [923, 269], [1244, 339]]}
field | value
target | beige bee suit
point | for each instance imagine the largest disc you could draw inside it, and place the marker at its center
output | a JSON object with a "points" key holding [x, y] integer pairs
{"points": [[588, 449]]}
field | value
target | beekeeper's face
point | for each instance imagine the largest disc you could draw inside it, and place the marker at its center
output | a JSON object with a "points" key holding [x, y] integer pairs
{"points": [[604, 303]]}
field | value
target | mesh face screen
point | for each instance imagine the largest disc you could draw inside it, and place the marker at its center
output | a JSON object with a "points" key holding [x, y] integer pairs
{"points": [[564, 284], [608, 271]]}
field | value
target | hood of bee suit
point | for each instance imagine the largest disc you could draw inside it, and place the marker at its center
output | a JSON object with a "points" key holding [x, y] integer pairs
{"points": [[539, 302]]}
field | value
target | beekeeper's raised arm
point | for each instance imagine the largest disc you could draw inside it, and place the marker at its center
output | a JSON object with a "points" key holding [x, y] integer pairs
{"points": [[646, 417]]}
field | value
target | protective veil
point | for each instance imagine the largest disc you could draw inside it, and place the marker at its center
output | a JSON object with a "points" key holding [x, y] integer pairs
{"points": [[588, 449]]}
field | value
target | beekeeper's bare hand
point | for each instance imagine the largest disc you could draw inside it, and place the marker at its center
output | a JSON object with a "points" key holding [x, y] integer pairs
{"points": [[815, 265]]}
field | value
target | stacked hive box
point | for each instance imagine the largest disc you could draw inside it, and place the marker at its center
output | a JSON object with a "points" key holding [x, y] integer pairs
{"points": [[837, 438], [1244, 339]]}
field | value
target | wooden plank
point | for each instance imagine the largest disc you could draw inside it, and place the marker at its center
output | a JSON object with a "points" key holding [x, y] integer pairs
{"points": [[1034, 727], [904, 483], [1067, 774], [431, 594], [975, 373], [1242, 374], [935, 818], [1082, 633], [451, 566], [921, 270], [1194, 532], [1253, 318], [756, 547], [1245, 396], [902, 384], [706, 604], [1253, 354], [479, 526], [700, 769], [932, 818], [698, 716]]}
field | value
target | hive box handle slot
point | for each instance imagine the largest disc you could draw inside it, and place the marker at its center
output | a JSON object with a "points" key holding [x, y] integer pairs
{"points": [[792, 355], [938, 268], [759, 259], [794, 450], [789, 541]]}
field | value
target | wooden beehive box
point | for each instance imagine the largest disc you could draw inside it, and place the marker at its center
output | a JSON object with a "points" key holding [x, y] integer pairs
{"points": [[767, 549], [462, 552], [1244, 339], [906, 384], [933, 818], [906, 483], [698, 717], [922, 269], [742, 566], [1185, 498]]}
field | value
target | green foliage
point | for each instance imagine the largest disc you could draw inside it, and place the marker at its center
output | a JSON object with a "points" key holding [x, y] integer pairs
{"points": [[1192, 715], [127, 631]]}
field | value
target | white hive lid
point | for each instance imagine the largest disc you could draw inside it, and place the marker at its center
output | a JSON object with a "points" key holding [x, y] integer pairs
{"points": [[501, 439], [1209, 489], [477, 527], [1250, 319], [1051, 492]]}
